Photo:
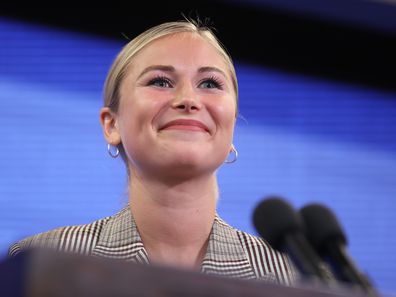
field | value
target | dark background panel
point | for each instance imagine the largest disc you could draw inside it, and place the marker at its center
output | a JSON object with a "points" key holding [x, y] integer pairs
{"points": [[352, 41]]}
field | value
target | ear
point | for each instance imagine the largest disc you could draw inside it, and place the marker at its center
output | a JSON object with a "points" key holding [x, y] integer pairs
{"points": [[109, 122]]}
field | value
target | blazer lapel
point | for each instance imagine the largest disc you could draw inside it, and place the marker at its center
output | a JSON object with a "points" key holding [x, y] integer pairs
{"points": [[225, 255], [120, 239]]}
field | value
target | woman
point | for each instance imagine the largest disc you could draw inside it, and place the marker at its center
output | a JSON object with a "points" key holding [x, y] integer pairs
{"points": [[170, 110]]}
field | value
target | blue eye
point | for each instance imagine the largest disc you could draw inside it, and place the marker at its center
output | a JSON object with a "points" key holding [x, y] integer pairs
{"points": [[211, 83], [161, 82]]}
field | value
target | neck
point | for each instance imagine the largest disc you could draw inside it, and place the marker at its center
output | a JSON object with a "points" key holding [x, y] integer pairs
{"points": [[174, 219]]}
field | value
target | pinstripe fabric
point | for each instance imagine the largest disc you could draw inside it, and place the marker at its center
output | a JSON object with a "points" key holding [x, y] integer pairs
{"points": [[230, 252]]}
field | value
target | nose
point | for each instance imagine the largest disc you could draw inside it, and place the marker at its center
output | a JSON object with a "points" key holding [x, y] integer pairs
{"points": [[186, 100]]}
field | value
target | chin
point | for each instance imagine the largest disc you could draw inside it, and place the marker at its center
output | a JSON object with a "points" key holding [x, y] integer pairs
{"points": [[195, 156], [190, 165], [188, 160]]}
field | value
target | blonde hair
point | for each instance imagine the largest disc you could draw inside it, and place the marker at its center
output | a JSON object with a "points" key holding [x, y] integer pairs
{"points": [[129, 51]]}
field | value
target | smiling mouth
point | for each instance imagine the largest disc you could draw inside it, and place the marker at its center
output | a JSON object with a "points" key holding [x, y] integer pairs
{"points": [[186, 125]]}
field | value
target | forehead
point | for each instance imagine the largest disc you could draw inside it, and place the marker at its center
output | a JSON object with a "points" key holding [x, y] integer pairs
{"points": [[181, 50]]}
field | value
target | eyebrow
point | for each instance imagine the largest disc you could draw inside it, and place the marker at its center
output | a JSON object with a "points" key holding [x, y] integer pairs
{"points": [[165, 68], [210, 69], [168, 68]]}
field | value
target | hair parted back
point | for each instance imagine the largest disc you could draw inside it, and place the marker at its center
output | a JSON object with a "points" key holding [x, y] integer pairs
{"points": [[121, 63]]}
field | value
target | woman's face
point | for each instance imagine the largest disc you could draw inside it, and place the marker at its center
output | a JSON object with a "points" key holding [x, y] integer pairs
{"points": [[177, 107]]}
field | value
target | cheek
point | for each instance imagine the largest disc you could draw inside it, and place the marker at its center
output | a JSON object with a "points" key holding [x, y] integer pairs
{"points": [[225, 115], [137, 115], [136, 127]]}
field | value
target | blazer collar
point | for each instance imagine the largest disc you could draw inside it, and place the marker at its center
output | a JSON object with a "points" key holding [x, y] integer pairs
{"points": [[120, 239]]}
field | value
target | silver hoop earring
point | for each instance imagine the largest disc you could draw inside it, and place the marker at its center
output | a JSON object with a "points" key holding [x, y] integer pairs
{"points": [[235, 156], [114, 153]]}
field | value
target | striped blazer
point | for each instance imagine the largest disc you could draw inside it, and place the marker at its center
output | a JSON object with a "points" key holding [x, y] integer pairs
{"points": [[230, 252]]}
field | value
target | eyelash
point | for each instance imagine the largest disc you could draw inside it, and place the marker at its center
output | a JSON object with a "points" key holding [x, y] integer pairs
{"points": [[159, 78], [217, 82], [163, 79]]}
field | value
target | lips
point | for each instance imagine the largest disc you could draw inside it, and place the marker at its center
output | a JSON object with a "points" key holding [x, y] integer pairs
{"points": [[185, 124]]}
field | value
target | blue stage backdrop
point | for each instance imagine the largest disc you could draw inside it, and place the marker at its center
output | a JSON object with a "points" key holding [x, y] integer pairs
{"points": [[303, 138]]}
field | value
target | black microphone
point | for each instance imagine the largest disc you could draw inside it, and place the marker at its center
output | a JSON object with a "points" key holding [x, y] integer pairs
{"points": [[282, 227], [328, 238]]}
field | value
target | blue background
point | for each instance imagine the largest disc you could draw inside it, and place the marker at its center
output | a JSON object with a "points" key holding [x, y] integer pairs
{"points": [[303, 138]]}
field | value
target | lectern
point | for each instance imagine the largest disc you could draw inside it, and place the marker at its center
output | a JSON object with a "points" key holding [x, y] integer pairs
{"points": [[44, 273]]}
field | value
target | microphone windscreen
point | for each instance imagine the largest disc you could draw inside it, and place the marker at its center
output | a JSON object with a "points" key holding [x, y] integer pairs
{"points": [[273, 218], [321, 225]]}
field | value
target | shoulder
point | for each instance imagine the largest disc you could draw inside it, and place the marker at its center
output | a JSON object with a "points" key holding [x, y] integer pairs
{"points": [[78, 238], [266, 260]]}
